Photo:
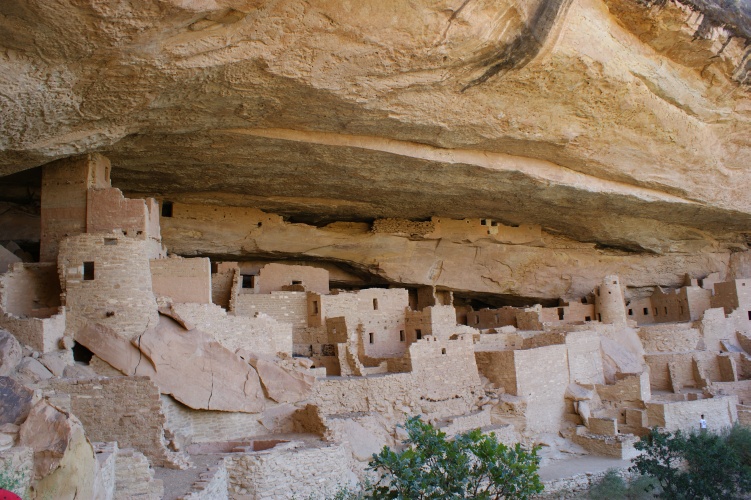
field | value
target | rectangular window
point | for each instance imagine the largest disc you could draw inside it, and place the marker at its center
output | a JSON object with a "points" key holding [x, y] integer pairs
{"points": [[248, 281], [375, 304], [88, 271], [443, 351], [401, 335], [315, 307], [110, 241], [294, 282], [166, 209], [630, 312], [588, 318], [749, 315], [371, 337], [646, 311], [418, 334], [560, 313], [656, 311], [599, 317], [477, 320], [666, 310]]}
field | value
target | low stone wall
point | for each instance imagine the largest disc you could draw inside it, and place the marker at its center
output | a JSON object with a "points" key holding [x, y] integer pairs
{"points": [[134, 478], [211, 486], [621, 446], [41, 334], [310, 471], [572, 487], [200, 426], [719, 412]]}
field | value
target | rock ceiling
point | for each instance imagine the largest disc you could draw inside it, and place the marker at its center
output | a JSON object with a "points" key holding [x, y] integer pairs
{"points": [[615, 122]]}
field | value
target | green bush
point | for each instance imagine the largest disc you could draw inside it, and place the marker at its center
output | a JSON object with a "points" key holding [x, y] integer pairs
{"points": [[612, 487], [696, 466], [470, 466]]}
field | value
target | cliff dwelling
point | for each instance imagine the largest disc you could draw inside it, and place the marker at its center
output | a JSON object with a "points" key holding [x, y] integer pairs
{"points": [[242, 242]]}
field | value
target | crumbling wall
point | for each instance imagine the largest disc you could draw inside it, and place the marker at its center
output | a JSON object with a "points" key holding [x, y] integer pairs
{"points": [[633, 389], [260, 334], [30, 290], [274, 277], [313, 469], [685, 304], [497, 342], [119, 295], [183, 280], [492, 318], [107, 209], [41, 334], [484, 228], [122, 409], [667, 338], [221, 283], [64, 198], [499, 368], [660, 379]]}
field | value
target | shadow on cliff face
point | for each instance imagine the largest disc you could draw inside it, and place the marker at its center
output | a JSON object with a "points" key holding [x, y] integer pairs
{"points": [[527, 44]]}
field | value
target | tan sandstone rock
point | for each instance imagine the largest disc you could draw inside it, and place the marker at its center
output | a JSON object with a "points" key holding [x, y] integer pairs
{"points": [[31, 371], [283, 381], [16, 401], [10, 353], [617, 361], [198, 371]]}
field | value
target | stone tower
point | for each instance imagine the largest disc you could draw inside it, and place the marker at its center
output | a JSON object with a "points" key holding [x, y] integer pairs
{"points": [[609, 304]]}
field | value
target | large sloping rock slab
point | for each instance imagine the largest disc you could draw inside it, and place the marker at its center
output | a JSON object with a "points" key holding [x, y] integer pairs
{"points": [[16, 401], [115, 350], [283, 381], [10, 353], [31, 371], [198, 371], [617, 361]]}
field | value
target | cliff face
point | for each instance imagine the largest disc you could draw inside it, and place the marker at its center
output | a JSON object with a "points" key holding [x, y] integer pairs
{"points": [[616, 123]]}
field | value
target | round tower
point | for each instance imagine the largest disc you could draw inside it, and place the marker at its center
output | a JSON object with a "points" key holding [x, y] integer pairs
{"points": [[609, 304]]}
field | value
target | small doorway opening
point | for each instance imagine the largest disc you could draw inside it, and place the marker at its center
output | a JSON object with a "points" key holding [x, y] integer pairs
{"points": [[88, 271], [248, 281], [418, 334], [560, 313], [166, 209], [401, 335], [371, 337], [375, 304]]}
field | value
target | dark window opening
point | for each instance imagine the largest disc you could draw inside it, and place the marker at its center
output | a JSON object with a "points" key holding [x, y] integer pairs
{"points": [[646, 311], [630, 312], [588, 318], [418, 333], [610, 293], [401, 335], [496, 319], [599, 317], [315, 309], [166, 209], [81, 353], [294, 282], [560, 313], [656, 311], [681, 309], [749, 315], [584, 300], [443, 351], [514, 225], [598, 292], [88, 271], [371, 337], [493, 223], [375, 304], [666, 310], [484, 222], [477, 320], [110, 241], [248, 281]]}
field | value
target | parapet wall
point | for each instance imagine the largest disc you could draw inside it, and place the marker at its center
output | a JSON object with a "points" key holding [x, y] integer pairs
{"points": [[285, 307], [273, 277], [719, 412], [107, 209]]}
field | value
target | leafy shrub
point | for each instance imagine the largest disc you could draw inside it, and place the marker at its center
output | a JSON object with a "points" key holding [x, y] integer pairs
{"points": [[470, 466], [697, 465], [613, 487]]}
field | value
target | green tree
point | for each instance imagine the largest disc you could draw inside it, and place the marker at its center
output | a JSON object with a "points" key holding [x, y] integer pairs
{"points": [[693, 466], [472, 465]]}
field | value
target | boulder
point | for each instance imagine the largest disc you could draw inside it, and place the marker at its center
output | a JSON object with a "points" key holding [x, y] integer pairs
{"points": [[16, 402], [31, 371], [617, 361], [170, 312], [55, 361], [110, 346], [64, 460], [198, 371], [283, 381], [7, 259], [11, 353]]}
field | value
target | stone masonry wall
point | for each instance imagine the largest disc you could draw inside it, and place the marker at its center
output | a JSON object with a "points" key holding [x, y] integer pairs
{"points": [[285, 307], [669, 337], [584, 357], [122, 409], [120, 295], [107, 209], [310, 471], [183, 280], [542, 377], [262, 334], [42, 335], [272, 277], [719, 412], [31, 290]]}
